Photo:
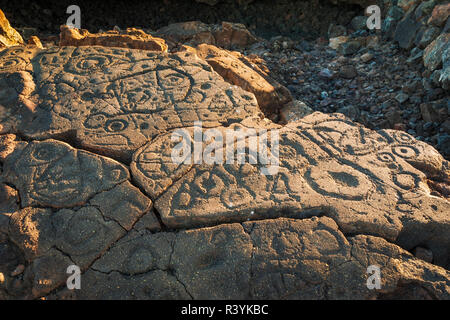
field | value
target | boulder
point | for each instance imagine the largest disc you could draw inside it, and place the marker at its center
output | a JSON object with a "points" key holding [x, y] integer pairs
{"points": [[433, 54], [8, 35], [439, 15], [240, 71], [131, 38], [406, 30], [227, 35]]}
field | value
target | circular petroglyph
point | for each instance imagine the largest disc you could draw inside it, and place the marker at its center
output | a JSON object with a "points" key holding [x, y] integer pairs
{"points": [[235, 197], [339, 181], [405, 151]]}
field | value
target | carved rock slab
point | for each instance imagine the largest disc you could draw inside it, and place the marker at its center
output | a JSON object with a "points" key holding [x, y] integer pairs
{"points": [[113, 100]]}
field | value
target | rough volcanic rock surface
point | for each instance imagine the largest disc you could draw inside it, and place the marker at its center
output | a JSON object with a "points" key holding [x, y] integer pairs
{"points": [[301, 218], [111, 100], [8, 35], [132, 38]]}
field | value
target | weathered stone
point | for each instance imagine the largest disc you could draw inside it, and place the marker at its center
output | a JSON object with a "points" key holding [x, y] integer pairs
{"points": [[351, 112], [337, 41], [366, 57], [434, 111], [34, 41], [8, 35], [227, 35], [406, 31], [272, 259], [349, 47], [388, 27], [230, 65], [432, 57], [308, 178], [336, 31], [444, 79], [131, 38], [440, 15], [359, 23], [346, 197], [415, 57], [406, 5], [348, 72], [424, 9], [294, 111], [52, 173], [112, 101], [428, 36]]}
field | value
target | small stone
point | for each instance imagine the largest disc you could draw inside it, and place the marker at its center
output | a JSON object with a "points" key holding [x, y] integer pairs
{"points": [[406, 31], [428, 36], [359, 23], [445, 126], [351, 112], [396, 13], [336, 31], [401, 97], [326, 73], [34, 41], [349, 48], [335, 42], [366, 57], [348, 72], [294, 111]]}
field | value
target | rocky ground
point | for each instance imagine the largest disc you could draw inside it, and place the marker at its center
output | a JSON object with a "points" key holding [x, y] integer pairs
{"points": [[87, 178]]}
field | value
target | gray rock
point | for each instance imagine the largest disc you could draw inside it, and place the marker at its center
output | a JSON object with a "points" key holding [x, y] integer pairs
{"points": [[359, 23], [405, 32], [349, 47]]}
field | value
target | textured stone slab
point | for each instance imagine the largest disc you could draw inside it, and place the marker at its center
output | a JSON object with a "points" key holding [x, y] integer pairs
{"points": [[53, 174], [357, 195], [369, 182], [272, 259], [114, 100]]}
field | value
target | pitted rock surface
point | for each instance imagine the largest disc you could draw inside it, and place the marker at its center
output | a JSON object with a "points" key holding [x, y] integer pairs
{"points": [[272, 259], [301, 219], [114, 100], [369, 182]]}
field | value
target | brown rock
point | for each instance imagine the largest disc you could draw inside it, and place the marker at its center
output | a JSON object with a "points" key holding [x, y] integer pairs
{"points": [[8, 35], [408, 4], [432, 56], [230, 35], [131, 38], [113, 99], [232, 67], [270, 259], [34, 41], [439, 15]]}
